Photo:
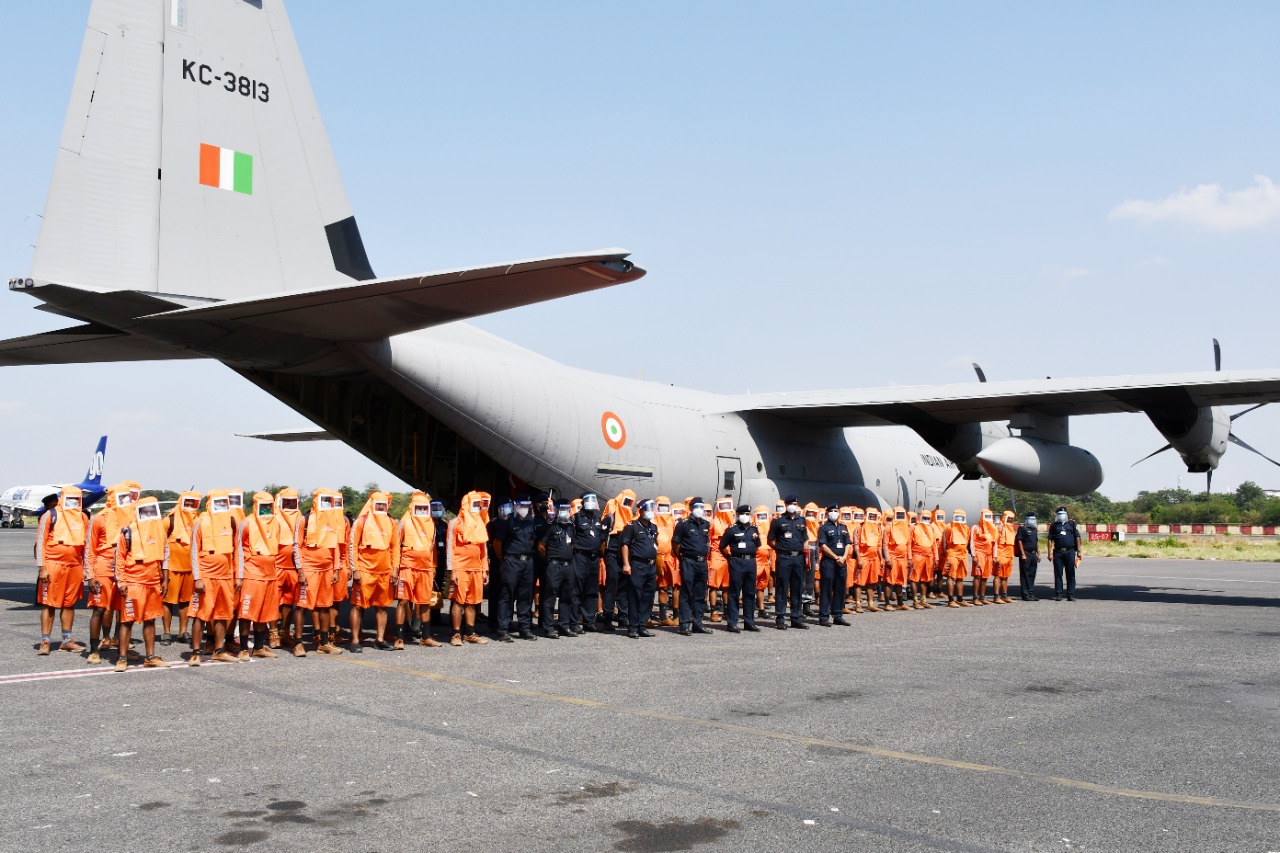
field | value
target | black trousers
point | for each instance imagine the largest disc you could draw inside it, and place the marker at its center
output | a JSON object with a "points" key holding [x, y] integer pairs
{"points": [[834, 587], [788, 585], [693, 591], [742, 584], [515, 587], [586, 588], [811, 570], [641, 587], [616, 595], [1064, 561], [1027, 573], [557, 584]]}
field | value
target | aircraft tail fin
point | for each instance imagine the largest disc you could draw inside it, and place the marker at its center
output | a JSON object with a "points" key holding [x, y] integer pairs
{"points": [[93, 477], [193, 159]]}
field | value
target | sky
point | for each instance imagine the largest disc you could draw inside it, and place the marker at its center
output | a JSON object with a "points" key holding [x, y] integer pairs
{"points": [[825, 195]]}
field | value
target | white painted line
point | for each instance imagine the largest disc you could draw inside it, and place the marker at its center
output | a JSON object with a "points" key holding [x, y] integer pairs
{"points": [[1185, 578], [23, 678]]}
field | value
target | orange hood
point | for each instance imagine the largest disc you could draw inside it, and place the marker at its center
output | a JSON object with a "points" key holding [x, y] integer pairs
{"points": [[812, 520], [70, 528], [147, 534], [325, 523], [473, 517], [183, 515], [264, 530], [216, 527], [418, 525], [378, 526], [624, 510]]}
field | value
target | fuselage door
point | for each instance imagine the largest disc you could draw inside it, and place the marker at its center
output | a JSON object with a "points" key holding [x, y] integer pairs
{"points": [[730, 473]]}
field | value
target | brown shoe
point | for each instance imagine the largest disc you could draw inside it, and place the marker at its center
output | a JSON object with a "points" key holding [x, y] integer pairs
{"points": [[889, 608], [108, 643], [455, 640], [121, 664], [475, 639], [71, 646], [155, 662], [244, 655], [859, 609], [670, 622], [328, 649], [966, 604], [871, 608], [715, 617], [193, 659], [429, 643], [848, 609], [649, 623], [93, 659], [225, 657], [299, 651], [926, 606], [398, 644], [274, 641], [953, 603], [264, 653], [44, 648]]}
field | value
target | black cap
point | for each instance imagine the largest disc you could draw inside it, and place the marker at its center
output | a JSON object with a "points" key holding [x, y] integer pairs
{"points": [[697, 501], [793, 499], [542, 496], [564, 502], [522, 498], [1061, 509], [833, 508], [743, 508]]}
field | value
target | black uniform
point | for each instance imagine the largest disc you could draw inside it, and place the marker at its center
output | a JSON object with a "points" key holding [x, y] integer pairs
{"points": [[496, 617], [641, 540], [835, 536], [787, 535], [443, 578], [1029, 539], [739, 544], [519, 547], [557, 582], [616, 596], [692, 541], [1064, 538], [588, 536]]}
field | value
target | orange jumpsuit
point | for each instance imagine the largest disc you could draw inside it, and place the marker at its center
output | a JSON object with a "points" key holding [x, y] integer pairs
{"points": [[870, 564], [60, 550], [178, 524], [466, 548], [1006, 534], [923, 549], [765, 554], [213, 548], [286, 519], [316, 541], [139, 562], [375, 552], [416, 539], [100, 549], [257, 549], [957, 553], [983, 539], [717, 565], [897, 540]]}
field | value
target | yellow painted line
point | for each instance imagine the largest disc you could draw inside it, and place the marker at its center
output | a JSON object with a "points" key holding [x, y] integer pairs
{"points": [[878, 752]]}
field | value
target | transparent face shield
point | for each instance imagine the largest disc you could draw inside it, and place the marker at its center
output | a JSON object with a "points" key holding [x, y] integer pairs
{"points": [[590, 502], [846, 517], [71, 503], [505, 510], [191, 504], [859, 517], [337, 501], [762, 517], [325, 502], [563, 512], [959, 518], [477, 507], [380, 507], [437, 509], [628, 503], [264, 509], [149, 512], [125, 499], [986, 516], [779, 508], [664, 509], [678, 512], [235, 500], [289, 504], [422, 510], [900, 516], [219, 505], [811, 515], [724, 506]]}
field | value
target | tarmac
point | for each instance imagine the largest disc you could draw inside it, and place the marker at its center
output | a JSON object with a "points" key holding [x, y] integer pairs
{"points": [[1143, 716]]}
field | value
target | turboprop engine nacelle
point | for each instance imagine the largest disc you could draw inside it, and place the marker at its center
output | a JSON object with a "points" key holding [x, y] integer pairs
{"points": [[1037, 465]]}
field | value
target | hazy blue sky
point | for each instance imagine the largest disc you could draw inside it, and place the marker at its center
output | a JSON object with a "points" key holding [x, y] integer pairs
{"points": [[1067, 190]]}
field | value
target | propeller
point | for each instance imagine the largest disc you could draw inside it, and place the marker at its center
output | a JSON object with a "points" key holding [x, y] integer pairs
{"points": [[954, 480], [982, 377]]}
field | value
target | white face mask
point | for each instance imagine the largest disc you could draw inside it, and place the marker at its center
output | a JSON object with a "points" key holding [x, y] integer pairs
{"points": [[832, 516], [647, 515], [1031, 522], [437, 512], [522, 512], [793, 508], [698, 512], [744, 518]]}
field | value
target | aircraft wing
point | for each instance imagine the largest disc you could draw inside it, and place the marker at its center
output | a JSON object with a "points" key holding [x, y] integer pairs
{"points": [[996, 401], [290, 435], [377, 309], [85, 344]]}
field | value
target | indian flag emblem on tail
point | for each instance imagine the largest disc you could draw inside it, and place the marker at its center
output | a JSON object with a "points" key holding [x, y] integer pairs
{"points": [[226, 169]]}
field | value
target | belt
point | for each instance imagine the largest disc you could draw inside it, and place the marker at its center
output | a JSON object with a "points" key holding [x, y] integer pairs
{"points": [[785, 553], [524, 558], [637, 561], [699, 557], [559, 562]]}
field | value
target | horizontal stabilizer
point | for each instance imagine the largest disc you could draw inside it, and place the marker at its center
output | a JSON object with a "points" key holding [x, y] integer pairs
{"points": [[378, 309], [290, 435], [997, 401], [83, 345]]}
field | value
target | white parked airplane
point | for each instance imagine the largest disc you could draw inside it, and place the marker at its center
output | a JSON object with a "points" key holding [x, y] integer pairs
{"points": [[196, 211], [19, 501]]}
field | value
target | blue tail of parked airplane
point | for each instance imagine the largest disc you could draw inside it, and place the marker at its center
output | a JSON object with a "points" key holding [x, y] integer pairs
{"points": [[91, 485]]}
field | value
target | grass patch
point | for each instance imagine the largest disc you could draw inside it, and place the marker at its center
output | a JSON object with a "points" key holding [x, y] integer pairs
{"points": [[1235, 549]]}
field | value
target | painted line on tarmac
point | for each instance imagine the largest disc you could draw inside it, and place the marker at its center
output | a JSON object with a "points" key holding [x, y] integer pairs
{"points": [[1185, 578], [105, 669], [878, 752]]}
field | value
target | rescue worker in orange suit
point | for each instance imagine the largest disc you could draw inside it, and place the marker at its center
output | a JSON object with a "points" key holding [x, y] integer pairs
{"points": [[139, 571], [764, 560], [835, 546], [556, 548], [60, 553], [216, 589], [923, 549], [717, 565], [317, 541], [982, 538], [788, 534], [897, 546], [739, 544], [639, 553], [870, 560], [1006, 536], [415, 580], [516, 552], [668, 570], [617, 596], [235, 500], [956, 539], [288, 512], [940, 550], [100, 546], [856, 519], [588, 545], [373, 551], [257, 550], [177, 597], [468, 557]]}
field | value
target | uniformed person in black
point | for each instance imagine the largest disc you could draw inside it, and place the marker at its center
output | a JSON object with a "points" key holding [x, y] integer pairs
{"points": [[616, 597], [496, 529], [517, 549], [1026, 547], [787, 535], [739, 545], [443, 580], [556, 547], [639, 554], [543, 510], [690, 543], [1064, 539], [588, 546], [834, 547]]}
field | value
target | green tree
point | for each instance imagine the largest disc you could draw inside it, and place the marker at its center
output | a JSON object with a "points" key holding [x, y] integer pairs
{"points": [[1250, 496]]}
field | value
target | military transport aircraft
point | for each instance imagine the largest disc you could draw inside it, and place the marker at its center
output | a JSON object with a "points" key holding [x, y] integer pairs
{"points": [[196, 211]]}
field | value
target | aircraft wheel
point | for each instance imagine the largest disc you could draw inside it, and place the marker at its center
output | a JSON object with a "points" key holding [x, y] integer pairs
{"points": [[16, 524]]}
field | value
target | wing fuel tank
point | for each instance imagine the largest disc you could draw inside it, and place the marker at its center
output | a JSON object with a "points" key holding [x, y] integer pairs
{"points": [[1035, 465]]}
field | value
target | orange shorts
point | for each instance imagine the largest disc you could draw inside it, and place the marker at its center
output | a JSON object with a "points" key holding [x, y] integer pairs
{"points": [[107, 597], [922, 569], [417, 586], [467, 587], [868, 571], [318, 591], [288, 585], [218, 601], [668, 570], [181, 585], [372, 590], [62, 589], [982, 565], [899, 568], [141, 603], [717, 571], [1005, 566], [764, 571], [259, 601], [340, 591], [957, 566]]}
